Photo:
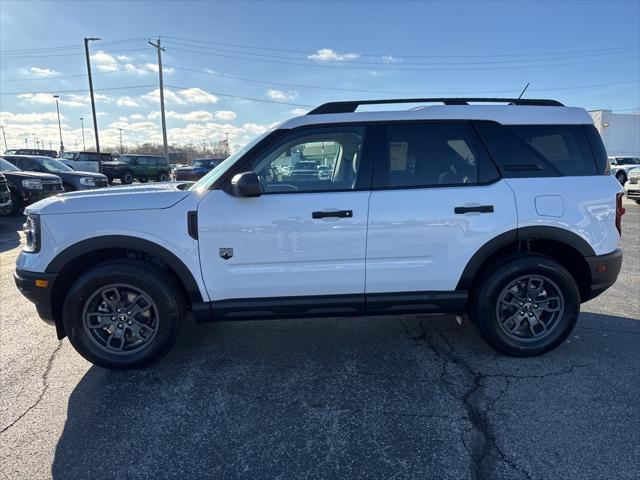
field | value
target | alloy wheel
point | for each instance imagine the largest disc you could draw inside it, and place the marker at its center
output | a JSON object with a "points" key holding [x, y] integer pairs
{"points": [[530, 308], [120, 319]]}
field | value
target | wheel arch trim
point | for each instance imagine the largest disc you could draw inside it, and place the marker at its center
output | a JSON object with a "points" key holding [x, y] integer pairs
{"points": [[126, 242], [512, 237]]}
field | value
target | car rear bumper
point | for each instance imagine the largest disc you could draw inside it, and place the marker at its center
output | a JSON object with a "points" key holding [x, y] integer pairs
{"points": [[604, 271], [40, 296]]}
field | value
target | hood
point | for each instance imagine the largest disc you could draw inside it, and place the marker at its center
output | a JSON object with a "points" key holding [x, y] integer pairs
{"points": [[113, 163], [24, 175], [82, 174], [192, 169], [138, 197]]}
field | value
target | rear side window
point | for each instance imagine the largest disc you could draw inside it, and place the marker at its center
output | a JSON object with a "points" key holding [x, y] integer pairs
{"points": [[431, 155], [597, 147], [564, 146]]}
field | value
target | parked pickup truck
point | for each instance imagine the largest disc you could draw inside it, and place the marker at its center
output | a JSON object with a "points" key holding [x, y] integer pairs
{"points": [[197, 169]]}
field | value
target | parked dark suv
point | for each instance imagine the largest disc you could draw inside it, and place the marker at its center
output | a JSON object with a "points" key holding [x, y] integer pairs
{"points": [[5, 197], [198, 169], [71, 180], [28, 187], [140, 167]]}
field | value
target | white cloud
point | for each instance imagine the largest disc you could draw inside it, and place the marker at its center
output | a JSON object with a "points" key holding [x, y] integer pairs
{"points": [[181, 97], [47, 99], [390, 59], [126, 101], [225, 115], [282, 96], [8, 117], [42, 72], [329, 55], [298, 111], [123, 58], [104, 62], [136, 116], [153, 67]]}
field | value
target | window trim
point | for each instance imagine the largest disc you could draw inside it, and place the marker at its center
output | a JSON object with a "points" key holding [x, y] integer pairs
{"points": [[278, 137], [382, 155]]}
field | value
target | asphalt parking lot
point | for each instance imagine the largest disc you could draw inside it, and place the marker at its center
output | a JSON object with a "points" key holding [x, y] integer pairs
{"points": [[379, 397]]}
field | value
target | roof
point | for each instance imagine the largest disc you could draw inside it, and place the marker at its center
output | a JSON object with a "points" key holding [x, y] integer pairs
{"points": [[505, 114]]}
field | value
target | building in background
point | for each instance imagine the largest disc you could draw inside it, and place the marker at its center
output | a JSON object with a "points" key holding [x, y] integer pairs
{"points": [[620, 132]]}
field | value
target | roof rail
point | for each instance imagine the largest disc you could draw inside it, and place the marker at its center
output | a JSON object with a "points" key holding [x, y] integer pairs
{"points": [[351, 105]]}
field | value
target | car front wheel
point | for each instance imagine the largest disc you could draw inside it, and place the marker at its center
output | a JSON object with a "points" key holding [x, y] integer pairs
{"points": [[622, 177], [126, 178], [526, 306], [123, 314]]}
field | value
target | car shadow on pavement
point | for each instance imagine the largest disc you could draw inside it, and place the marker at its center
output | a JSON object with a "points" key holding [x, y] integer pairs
{"points": [[9, 228], [343, 398]]}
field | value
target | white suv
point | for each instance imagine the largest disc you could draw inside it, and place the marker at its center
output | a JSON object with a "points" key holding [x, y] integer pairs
{"points": [[505, 211]]}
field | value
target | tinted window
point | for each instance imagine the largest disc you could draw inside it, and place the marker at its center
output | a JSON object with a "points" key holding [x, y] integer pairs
{"points": [[292, 166], [597, 148], [7, 167], [144, 161], [87, 157], [432, 154], [564, 146]]}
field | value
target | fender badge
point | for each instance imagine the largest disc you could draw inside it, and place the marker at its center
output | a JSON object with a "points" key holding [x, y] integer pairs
{"points": [[226, 253]]}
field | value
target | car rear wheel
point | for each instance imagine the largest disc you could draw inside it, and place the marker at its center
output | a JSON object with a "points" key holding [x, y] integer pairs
{"points": [[526, 306], [163, 177], [123, 314], [127, 178]]}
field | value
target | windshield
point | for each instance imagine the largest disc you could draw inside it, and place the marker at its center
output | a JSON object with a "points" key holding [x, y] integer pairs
{"points": [[8, 167], [210, 178], [51, 165], [628, 161], [202, 163], [69, 155]]}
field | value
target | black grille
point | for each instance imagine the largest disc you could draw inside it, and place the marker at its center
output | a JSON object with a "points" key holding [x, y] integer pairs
{"points": [[52, 186], [3, 186]]}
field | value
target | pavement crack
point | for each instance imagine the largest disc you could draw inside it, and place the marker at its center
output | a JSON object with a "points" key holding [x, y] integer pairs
{"points": [[45, 387]]}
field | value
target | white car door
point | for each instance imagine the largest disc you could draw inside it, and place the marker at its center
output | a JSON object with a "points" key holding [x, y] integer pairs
{"points": [[299, 248], [436, 201]]}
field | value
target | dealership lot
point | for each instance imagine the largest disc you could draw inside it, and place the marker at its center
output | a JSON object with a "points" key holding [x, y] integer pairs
{"points": [[378, 397]]}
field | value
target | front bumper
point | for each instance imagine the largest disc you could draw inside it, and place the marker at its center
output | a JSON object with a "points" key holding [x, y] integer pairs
{"points": [[40, 296], [604, 271], [33, 196], [632, 190]]}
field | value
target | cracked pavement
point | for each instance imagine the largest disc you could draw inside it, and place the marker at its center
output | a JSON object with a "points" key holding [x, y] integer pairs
{"points": [[410, 396]]}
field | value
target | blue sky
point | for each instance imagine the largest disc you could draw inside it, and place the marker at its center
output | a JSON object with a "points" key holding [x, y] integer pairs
{"points": [[298, 54]]}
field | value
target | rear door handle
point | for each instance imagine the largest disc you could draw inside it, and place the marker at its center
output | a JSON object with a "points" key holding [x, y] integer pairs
{"points": [[335, 213], [479, 209]]}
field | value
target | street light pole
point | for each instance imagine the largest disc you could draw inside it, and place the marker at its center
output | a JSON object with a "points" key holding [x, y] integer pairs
{"points": [[82, 126], [93, 102], [59, 125]]}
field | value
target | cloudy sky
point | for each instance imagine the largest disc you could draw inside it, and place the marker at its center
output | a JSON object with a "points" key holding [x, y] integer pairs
{"points": [[239, 67]]}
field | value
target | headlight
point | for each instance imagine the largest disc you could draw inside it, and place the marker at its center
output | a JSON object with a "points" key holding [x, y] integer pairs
{"points": [[634, 173], [31, 229], [88, 181], [32, 184]]}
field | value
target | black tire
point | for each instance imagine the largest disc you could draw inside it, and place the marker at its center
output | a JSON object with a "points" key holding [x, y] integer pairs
{"points": [[163, 177], [109, 180], [68, 187], [485, 306], [127, 178], [16, 204], [622, 177], [168, 312]]}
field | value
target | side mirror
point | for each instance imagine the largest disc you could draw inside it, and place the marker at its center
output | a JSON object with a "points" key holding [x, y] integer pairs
{"points": [[246, 184]]}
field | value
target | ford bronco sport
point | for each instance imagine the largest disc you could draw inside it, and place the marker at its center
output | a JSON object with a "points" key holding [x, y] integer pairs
{"points": [[505, 211], [142, 167]]}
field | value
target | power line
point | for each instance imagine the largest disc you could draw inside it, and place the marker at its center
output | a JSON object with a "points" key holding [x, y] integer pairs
{"points": [[381, 67], [83, 90], [357, 62], [399, 92], [241, 97], [306, 52], [67, 47], [60, 77], [47, 55]]}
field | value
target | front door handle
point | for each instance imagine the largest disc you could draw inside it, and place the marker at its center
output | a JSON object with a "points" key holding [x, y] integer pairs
{"points": [[479, 209], [335, 213]]}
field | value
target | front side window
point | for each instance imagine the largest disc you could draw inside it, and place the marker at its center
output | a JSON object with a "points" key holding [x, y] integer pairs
{"points": [[51, 165], [69, 155], [7, 167], [88, 157], [430, 154], [314, 161]]}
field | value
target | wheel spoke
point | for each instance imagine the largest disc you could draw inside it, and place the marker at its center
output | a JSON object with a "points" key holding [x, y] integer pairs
{"points": [[99, 320], [535, 285], [544, 305], [118, 334], [533, 322], [111, 297]]}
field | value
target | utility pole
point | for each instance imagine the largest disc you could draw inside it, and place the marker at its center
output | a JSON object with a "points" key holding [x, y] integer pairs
{"points": [[93, 102], [59, 126], [50, 146], [26, 143], [159, 49], [82, 126], [4, 135], [121, 149], [34, 140]]}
